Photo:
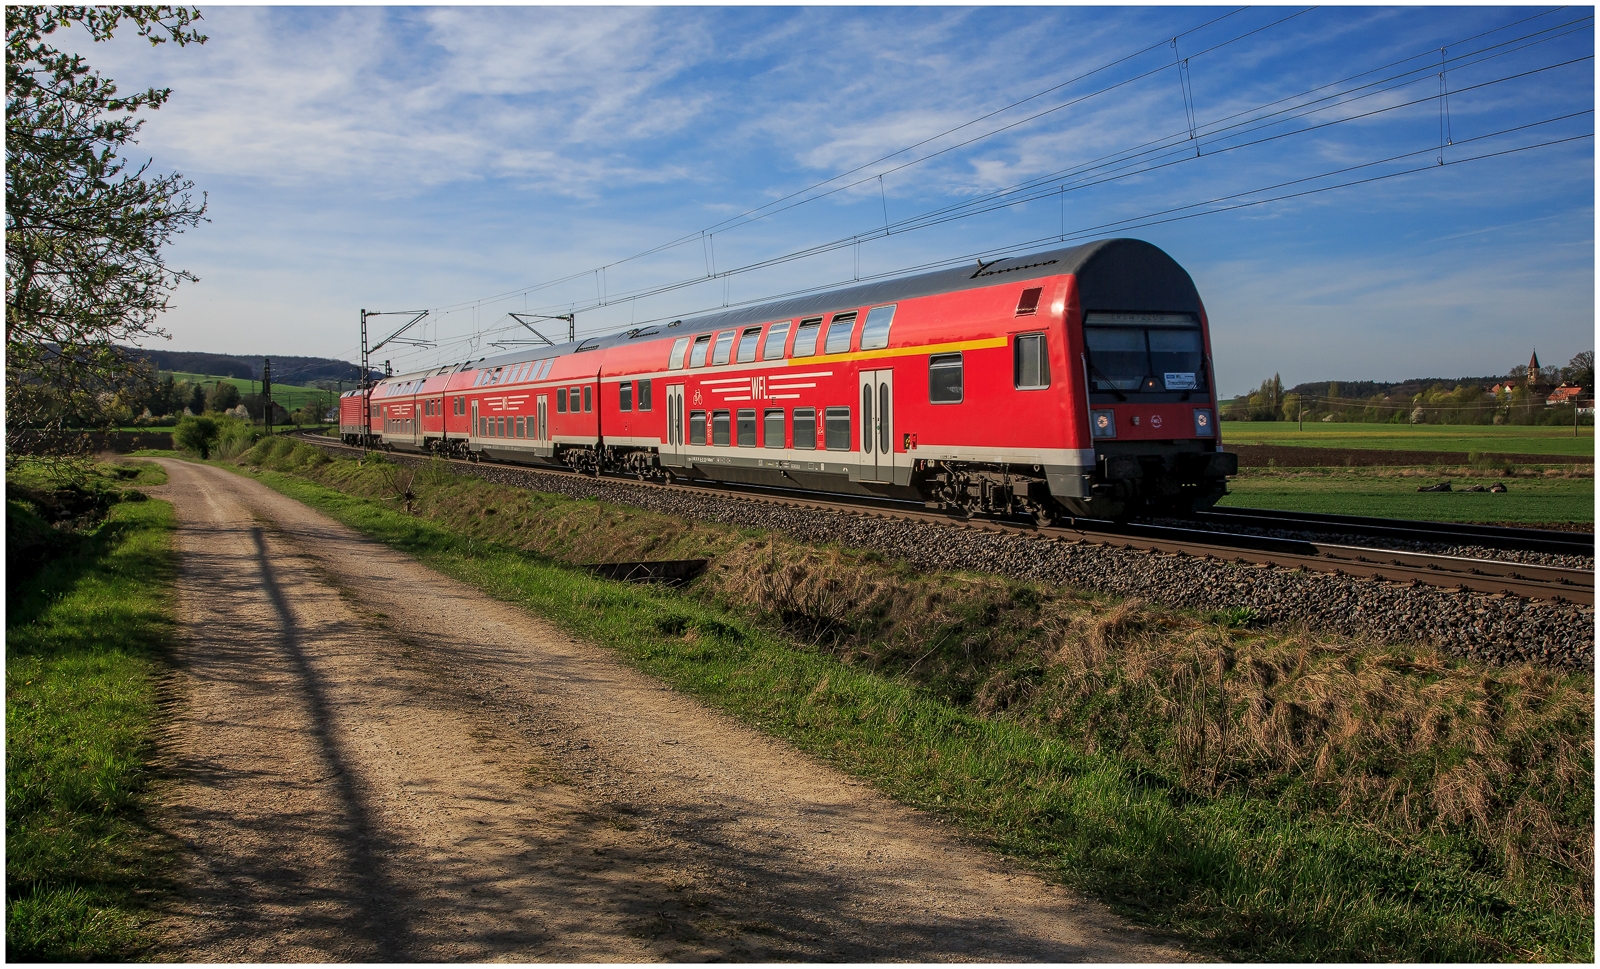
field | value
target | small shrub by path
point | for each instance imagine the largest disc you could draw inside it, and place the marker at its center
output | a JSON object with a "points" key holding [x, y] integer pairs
{"points": [[1267, 794], [84, 637]]}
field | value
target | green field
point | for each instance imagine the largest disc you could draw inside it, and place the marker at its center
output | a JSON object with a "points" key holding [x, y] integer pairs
{"points": [[289, 396], [1528, 499], [1414, 437]]}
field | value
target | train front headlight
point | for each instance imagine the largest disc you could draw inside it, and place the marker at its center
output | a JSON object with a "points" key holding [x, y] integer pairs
{"points": [[1103, 423], [1204, 424]]}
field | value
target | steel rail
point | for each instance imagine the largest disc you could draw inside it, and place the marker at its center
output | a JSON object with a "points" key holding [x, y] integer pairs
{"points": [[1490, 536], [1451, 573]]}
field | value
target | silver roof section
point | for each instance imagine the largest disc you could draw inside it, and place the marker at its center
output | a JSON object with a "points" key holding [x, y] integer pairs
{"points": [[1113, 274]]}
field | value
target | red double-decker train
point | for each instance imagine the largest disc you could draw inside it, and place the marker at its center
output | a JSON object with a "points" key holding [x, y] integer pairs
{"points": [[1070, 383]]}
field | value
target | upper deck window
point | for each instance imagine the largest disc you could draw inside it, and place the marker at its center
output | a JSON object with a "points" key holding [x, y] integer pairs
{"points": [[719, 356], [776, 335], [697, 356], [747, 344], [1144, 352], [805, 338], [875, 332], [680, 346], [839, 332]]}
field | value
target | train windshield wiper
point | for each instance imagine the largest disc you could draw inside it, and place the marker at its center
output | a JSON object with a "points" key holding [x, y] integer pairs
{"points": [[1113, 387]]}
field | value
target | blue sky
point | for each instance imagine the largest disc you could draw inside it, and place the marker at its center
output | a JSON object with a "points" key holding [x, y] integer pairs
{"points": [[413, 157]]}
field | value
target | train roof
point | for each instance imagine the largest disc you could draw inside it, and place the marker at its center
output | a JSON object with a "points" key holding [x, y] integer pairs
{"points": [[1113, 274]]}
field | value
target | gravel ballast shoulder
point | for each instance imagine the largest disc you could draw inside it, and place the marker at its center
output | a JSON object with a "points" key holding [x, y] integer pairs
{"points": [[1489, 628]]}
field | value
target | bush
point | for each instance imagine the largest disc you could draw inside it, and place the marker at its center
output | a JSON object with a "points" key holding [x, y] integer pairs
{"points": [[197, 435], [235, 436]]}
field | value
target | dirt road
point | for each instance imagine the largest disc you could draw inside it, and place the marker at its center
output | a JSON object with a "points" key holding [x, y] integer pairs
{"points": [[374, 762]]}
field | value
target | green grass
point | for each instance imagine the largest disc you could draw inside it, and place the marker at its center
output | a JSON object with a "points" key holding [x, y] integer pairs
{"points": [[290, 396], [1414, 437], [84, 639], [1528, 499], [1234, 876]]}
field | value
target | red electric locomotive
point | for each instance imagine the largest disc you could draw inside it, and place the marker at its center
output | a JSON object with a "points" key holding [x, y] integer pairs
{"points": [[1075, 382]]}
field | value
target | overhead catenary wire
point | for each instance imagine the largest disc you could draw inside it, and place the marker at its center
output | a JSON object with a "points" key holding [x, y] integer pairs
{"points": [[914, 221], [1108, 166], [726, 223], [1159, 218]]}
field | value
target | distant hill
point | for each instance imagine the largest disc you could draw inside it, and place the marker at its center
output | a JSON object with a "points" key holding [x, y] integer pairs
{"points": [[1363, 389], [287, 369]]}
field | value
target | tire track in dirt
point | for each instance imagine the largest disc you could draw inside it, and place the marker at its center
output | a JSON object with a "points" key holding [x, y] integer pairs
{"points": [[374, 762]]}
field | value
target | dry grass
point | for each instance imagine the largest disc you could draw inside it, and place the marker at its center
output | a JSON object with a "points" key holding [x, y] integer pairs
{"points": [[1408, 742]]}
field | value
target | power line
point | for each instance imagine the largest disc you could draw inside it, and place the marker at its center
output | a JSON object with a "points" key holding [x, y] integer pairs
{"points": [[1135, 157], [700, 234]]}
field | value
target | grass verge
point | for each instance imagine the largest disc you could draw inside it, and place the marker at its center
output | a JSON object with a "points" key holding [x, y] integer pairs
{"points": [[1264, 794], [84, 637]]}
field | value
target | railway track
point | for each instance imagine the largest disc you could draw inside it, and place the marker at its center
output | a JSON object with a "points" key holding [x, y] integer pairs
{"points": [[1455, 573], [1487, 536]]}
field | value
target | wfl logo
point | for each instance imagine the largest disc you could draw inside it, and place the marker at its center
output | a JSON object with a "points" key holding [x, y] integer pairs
{"points": [[1155, 420]]}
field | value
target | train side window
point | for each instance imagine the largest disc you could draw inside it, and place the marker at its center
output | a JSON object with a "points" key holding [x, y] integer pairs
{"points": [[1029, 303], [522, 427], [747, 345], [697, 427], [776, 335], [587, 400], [1031, 363], [697, 356], [875, 332], [837, 431], [772, 428], [746, 428], [805, 428], [680, 346], [625, 396], [805, 338], [561, 400], [944, 378], [724, 347], [719, 428], [644, 394], [839, 332]]}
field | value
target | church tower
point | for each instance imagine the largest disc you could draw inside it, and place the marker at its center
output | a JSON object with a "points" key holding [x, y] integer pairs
{"points": [[1533, 369]]}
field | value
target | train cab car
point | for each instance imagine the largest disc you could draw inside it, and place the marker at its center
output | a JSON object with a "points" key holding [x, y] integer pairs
{"points": [[1070, 383]]}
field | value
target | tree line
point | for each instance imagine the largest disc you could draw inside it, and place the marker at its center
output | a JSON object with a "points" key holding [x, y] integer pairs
{"points": [[1441, 402]]}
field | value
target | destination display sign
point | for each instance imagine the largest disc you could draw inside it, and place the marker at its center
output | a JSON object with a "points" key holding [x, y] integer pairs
{"points": [[1179, 381]]}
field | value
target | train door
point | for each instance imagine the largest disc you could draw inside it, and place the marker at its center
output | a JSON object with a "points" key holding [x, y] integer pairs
{"points": [[877, 426], [675, 420], [542, 431], [473, 430]]}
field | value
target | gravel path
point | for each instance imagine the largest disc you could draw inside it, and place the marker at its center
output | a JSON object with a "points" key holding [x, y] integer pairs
{"points": [[373, 762]]}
